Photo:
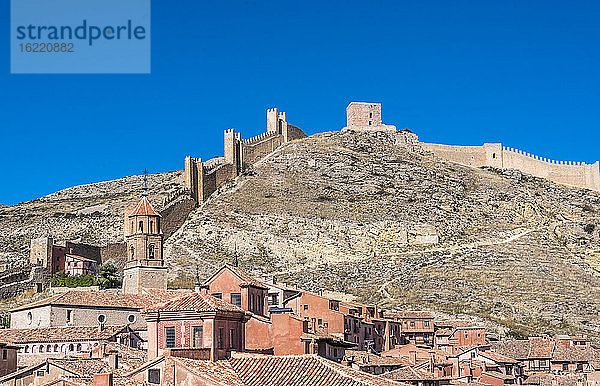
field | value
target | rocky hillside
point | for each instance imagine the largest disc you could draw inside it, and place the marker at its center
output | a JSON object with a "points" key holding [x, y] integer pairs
{"points": [[358, 213], [366, 214]]}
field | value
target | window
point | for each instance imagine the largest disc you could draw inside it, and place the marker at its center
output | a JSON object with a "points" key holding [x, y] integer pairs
{"points": [[370, 123], [251, 302], [69, 316], [101, 319], [220, 338], [334, 305], [141, 227], [55, 348], [4, 355], [131, 318], [580, 367], [169, 337], [29, 317], [41, 348], [197, 339], [231, 338], [26, 349], [78, 346], [71, 347], [370, 115], [306, 307], [151, 251], [154, 376], [49, 348], [412, 324], [218, 295], [320, 321], [493, 155], [132, 228], [132, 249], [273, 299], [426, 323], [151, 226], [236, 299], [158, 225], [565, 367]]}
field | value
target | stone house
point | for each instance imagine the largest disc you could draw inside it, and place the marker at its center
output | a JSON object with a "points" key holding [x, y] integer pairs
{"points": [[45, 252], [373, 364], [8, 358], [417, 327], [55, 342], [79, 265], [451, 340], [196, 321], [480, 361], [86, 308]]}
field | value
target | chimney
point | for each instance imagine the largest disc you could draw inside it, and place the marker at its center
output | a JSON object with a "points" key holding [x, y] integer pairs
{"points": [[103, 379], [113, 360], [201, 288]]}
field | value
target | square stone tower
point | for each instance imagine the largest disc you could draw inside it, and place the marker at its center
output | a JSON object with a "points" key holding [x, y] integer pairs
{"points": [[365, 116]]}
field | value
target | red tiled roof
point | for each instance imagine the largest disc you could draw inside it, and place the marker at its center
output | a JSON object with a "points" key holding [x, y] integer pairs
{"points": [[368, 359], [246, 278], [81, 258], [194, 301], [496, 357], [143, 208], [540, 348], [96, 299], [409, 374], [416, 315], [212, 373], [299, 370], [58, 334]]}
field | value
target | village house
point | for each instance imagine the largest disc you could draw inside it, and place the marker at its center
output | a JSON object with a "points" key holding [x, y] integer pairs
{"points": [[196, 321], [452, 340], [79, 265], [416, 377], [8, 358], [37, 344], [417, 326], [434, 361], [372, 363], [483, 365], [45, 252]]}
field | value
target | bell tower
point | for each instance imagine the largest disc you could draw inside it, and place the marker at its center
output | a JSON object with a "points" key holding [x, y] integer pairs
{"points": [[145, 266]]}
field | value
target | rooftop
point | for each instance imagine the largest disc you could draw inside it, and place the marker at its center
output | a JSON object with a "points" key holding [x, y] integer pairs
{"points": [[194, 301], [58, 334], [143, 208]]}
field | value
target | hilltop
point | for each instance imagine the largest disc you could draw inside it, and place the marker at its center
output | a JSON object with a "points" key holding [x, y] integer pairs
{"points": [[372, 215]]}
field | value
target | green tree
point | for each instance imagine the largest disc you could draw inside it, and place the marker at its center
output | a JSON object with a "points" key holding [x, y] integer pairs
{"points": [[109, 277]]}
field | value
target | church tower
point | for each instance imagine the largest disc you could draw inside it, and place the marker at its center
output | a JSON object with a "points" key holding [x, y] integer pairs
{"points": [[145, 267]]}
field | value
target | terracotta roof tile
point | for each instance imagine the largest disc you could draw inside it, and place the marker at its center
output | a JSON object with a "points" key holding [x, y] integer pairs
{"points": [[368, 359], [194, 301], [497, 357], [299, 370], [518, 349], [212, 373], [58, 334], [541, 348], [409, 374], [104, 299], [143, 208]]}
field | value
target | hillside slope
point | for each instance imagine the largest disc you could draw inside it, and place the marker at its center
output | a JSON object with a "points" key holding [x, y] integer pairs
{"points": [[358, 213]]}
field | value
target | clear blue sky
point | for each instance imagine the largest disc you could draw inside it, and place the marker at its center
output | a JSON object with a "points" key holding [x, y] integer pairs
{"points": [[524, 73]]}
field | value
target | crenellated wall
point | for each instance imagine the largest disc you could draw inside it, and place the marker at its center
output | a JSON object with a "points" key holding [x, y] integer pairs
{"points": [[204, 178], [577, 174]]}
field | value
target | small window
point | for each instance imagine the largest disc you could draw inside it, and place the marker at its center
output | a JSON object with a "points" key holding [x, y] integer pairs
{"points": [[39, 373], [426, 323], [218, 295], [306, 307], [151, 251], [154, 376], [55, 348], [78, 346], [197, 338], [71, 347], [370, 115], [131, 318], [141, 227], [231, 338], [236, 299], [565, 367], [220, 338], [170, 337], [493, 155], [132, 252], [132, 228], [49, 348], [69, 316], [41, 348], [26, 349], [151, 226], [320, 321], [412, 324], [4, 354], [29, 317], [370, 123], [101, 319]]}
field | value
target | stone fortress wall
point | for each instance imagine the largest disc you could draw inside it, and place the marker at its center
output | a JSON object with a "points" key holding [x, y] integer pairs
{"points": [[202, 178], [578, 174]]}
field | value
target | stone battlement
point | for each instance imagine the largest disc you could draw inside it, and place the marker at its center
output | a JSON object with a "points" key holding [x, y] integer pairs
{"points": [[578, 174], [204, 178]]}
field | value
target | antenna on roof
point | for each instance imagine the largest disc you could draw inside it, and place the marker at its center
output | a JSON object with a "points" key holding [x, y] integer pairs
{"points": [[235, 258], [145, 186], [197, 289]]}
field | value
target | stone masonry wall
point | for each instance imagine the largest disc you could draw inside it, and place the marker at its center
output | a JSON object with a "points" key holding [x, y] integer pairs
{"points": [[577, 174]]}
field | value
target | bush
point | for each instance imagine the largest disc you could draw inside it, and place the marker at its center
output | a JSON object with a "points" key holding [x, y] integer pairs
{"points": [[108, 277], [60, 279], [589, 228]]}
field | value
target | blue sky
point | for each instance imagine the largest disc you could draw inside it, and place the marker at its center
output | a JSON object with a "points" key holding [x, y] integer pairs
{"points": [[524, 73]]}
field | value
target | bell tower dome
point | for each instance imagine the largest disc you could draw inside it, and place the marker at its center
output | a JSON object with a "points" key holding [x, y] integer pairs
{"points": [[144, 267]]}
